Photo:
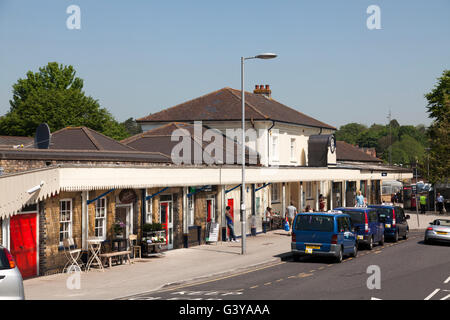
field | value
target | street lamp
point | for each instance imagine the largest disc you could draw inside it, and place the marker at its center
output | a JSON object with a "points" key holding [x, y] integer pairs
{"points": [[264, 56]]}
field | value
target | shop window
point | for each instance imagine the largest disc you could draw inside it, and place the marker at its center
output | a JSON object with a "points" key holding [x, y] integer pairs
{"points": [[149, 211], [275, 192], [191, 217], [100, 218], [65, 219]]}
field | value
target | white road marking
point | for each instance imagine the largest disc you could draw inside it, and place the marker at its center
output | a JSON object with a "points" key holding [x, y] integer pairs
{"points": [[432, 294], [448, 280], [373, 298]]}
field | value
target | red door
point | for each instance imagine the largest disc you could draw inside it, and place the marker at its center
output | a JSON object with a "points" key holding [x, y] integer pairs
{"points": [[230, 203], [208, 209], [23, 243], [164, 213]]}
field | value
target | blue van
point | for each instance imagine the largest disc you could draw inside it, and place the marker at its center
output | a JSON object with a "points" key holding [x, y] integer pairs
{"points": [[323, 234], [369, 228], [394, 219]]}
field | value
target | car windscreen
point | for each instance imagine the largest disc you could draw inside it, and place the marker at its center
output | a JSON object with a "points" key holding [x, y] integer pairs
{"points": [[384, 213], [307, 222], [356, 216]]}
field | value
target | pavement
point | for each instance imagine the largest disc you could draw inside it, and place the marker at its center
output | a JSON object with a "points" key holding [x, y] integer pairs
{"points": [[176, 267]]}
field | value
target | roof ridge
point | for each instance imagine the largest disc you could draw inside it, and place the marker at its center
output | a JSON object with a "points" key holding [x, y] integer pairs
{"points": [[106, 137], [248, 103], [91, 137], [179, 104]]}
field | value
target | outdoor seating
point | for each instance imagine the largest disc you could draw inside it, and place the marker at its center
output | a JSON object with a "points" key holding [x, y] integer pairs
{"points": [[134, 246], [72, 255], [118, 255]]}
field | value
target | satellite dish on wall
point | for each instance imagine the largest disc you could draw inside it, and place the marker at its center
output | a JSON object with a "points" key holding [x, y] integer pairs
{"points": [[42, 137]]}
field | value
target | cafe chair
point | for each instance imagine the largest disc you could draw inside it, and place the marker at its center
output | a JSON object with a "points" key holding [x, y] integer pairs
{"points": [[134, 246], [73, 256]]}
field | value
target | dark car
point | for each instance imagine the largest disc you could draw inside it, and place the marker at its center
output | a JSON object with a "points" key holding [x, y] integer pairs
{"points": [[323, 234], [369, 228], [394, 219]]}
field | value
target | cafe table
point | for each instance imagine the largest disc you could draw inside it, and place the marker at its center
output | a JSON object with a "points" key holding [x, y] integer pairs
{"points": [[94, 246]]}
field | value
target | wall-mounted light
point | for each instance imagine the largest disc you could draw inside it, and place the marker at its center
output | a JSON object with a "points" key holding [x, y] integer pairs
{"points": [[36, 188]]}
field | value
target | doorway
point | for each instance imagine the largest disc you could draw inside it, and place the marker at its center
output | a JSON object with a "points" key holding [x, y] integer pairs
{"points": [[124, 213], [166, 218], [23, 242]]}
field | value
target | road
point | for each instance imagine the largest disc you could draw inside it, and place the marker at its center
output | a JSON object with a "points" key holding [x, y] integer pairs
{"points": [[409, 270]]}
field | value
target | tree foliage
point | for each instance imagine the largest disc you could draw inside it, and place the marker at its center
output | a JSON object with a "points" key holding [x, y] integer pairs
{"points": [[439, 132], [55, 96], [132, 126]]}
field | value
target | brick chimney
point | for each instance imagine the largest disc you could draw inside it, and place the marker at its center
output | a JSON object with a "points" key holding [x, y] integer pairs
{"points": [[260, 89]]}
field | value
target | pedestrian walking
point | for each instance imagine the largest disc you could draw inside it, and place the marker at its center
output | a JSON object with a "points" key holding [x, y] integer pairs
{"points": [[230, 224], [360, 200], [267, 219], [291, 211], [440, 203], [423, 203]]}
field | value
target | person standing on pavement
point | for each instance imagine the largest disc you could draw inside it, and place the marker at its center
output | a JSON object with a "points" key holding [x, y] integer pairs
{"points": [[291, 211], [267, 219], [423, 203], [230, 224], [321, 203], [440, 203], [360, 200]]}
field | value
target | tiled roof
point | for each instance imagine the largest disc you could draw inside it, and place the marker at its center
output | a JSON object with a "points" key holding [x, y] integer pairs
{"points": [[10, 141], [159, 140], [83, 138], [225, 105], [348, 152]]}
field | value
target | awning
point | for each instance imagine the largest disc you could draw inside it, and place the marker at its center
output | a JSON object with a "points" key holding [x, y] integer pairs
{"points": [[14, 195]]}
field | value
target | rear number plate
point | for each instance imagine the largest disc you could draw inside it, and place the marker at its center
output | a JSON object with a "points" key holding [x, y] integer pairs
{"points": [[387, 225], [309, 249], [441, 232], [360, 237]]}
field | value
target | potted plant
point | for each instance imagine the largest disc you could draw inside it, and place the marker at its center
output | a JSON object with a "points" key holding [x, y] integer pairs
{"points": [[118, 228]]}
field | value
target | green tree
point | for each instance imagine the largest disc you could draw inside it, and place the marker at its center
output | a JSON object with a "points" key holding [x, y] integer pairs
{"points": [[439, 132], [132, 126], [55, 96], [350, 132]]}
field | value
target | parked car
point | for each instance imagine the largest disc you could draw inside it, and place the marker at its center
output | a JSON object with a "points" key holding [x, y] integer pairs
{"points": [[394, 219], [11, 282], [323, 234], [369, 228], [438, 231]]}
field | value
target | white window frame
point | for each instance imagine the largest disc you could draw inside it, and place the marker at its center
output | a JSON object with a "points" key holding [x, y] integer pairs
{"points": [[97, 218], [275, 142], [191, 210], [293, 150], [309, 192], [69, 222], [275, 193]]}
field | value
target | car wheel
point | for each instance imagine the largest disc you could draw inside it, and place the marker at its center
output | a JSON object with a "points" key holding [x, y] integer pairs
{"points": [[406, 235], [426, 241], [396, 236], [340, 255], [370, 245], [296, 257], [355, 251], [381, 243]]}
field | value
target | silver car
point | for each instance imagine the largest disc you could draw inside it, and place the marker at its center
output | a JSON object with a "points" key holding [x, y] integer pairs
{"points": [[11, 282], [439, 230]]}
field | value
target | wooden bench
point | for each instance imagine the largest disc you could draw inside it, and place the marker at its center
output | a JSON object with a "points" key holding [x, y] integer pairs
{"points": [[119, 254]]}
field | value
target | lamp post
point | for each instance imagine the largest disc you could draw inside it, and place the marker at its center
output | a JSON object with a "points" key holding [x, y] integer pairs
{"points": [[243, 192]]}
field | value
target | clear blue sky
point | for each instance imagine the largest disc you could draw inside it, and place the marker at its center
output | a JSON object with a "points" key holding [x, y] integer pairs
{"points": [[138, 57]]}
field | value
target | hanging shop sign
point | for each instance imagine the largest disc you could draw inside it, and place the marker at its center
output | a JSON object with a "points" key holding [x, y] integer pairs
{"points": [[127, 196]]}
